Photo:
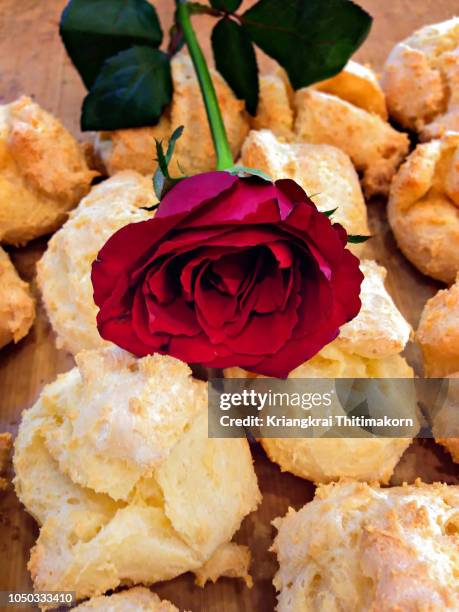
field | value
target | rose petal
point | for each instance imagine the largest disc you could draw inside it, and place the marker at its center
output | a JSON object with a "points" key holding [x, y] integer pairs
{"points": [[250, 201], [177, 318], [194, 192]]}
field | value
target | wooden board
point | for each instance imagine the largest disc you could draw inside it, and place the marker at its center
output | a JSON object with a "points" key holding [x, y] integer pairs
{"points": [[33, 61]]}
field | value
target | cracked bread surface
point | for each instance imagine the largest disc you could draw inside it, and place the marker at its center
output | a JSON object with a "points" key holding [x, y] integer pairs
{"points": [[121, 476], [421, 80]]}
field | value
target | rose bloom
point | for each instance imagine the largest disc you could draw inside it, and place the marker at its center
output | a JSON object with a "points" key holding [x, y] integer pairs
{"points": [[230, 272]]}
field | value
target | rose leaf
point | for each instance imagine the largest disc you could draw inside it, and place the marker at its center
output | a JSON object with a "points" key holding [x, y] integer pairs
{"points": [[131, 90], [311, 39], [235, 60], [356, 239], [94, 30]]}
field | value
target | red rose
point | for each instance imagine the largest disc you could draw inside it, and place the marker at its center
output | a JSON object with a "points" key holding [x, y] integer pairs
{"points": [[230, 272]]}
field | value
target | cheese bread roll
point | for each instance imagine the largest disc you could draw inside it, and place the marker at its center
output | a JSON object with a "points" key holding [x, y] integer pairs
{"points": [[438, 333], [115, 464], [423, 208], [438, 337], [64, 271], [17, 307], [374, 146], [360, 547], [43, 172], [356, 84], [421, 80]]}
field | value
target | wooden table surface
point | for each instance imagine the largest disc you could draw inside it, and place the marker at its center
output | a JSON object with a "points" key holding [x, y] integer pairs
{"points": [[33, 61]]}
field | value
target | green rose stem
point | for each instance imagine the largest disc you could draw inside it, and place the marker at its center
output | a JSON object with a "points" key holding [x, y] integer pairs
{"points": [[217, 127]]}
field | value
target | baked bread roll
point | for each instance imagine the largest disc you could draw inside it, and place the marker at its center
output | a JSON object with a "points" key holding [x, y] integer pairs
{"points": [[358, 85], [17, 307], [359, 547], [134, 149], [137, 599], [375, 147], [438, 337], [64, 272], [115, 464], [421, 80], [438, 333], [423, 208], [347, 111], [324, 172], [367, 347], [43, 172]]}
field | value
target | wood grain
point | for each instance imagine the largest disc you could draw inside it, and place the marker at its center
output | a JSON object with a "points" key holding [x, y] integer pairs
{"points": [[33, 61]]}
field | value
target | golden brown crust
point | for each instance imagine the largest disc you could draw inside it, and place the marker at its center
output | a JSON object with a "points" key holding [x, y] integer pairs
{"points": [[43, 172], [324, 172], [131, 148], [421, 80], [359, 547], [137, 599], [358, 85], [438, 337], [115, 463], [329, 459], [17, 307], [274, 110], [375, 147], [194, 152], [438, 333], [423, 208]]}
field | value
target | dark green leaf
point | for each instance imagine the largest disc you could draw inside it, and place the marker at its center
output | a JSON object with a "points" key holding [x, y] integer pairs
{"points": [[330, 212], [131, 91], [311, 39], [244, 171], [226, 5], [235, 60], [94, 30], [356, 239]]}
